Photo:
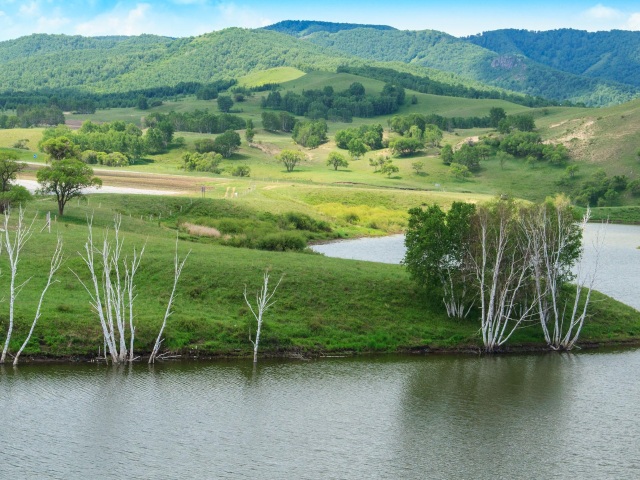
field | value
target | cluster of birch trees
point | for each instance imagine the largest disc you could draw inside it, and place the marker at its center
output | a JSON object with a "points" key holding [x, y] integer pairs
{"points": [[510, 263], [111, 285]]}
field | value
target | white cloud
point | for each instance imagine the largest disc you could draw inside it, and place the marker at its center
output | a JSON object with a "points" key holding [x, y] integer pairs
{"points": [[633, 23], [118, 22], [190, 2], [30, 9], [233, 15], [600, 12]]}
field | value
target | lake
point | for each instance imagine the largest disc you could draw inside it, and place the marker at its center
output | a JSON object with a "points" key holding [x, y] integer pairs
{"points": [[618, 261], [384, 417]]}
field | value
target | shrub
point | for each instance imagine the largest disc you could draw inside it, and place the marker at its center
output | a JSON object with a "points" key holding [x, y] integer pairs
{"points": [[282, 242]]}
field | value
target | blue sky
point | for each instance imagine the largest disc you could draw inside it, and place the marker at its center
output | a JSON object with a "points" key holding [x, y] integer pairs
{"points": [[179, 18]]}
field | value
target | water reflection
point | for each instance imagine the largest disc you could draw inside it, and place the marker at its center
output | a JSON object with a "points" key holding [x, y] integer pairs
{"points": [[530, 416]]}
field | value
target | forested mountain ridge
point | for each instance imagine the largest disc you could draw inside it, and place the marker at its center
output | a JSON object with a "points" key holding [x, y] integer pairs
{"points": [[124, 64], [47, 63], [116, 64], [441, 51], [302, 28], [611, 55]]}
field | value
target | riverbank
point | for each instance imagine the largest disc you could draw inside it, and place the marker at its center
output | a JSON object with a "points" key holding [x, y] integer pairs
{"points": [[324, 306]]}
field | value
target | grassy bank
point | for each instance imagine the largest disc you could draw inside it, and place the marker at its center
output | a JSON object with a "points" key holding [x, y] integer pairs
{"points": [[323, 305]]}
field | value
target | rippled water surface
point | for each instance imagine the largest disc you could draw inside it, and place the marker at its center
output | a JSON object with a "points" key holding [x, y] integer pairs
{"points": [[536, 416]]}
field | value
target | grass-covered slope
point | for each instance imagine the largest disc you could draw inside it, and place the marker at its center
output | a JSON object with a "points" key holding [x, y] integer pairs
{"points": [[322, 305]]}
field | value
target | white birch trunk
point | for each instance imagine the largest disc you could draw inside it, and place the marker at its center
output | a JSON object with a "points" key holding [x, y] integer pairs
{"points": [[111, 295], [177, 270], [56, 261], [263, 302], [13, 248], [501, 276]]}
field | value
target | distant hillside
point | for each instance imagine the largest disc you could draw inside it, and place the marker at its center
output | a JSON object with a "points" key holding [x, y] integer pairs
{"points": [[302, 28], [107, 64], [47, 63], [441, 51], [607, 55]]}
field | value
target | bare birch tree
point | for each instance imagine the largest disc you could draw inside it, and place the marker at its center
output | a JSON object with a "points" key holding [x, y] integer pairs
{"points": [[112, 294], [263, 302], [13, 247], [500, 263], [56, 262], [177, 270], [557, 247]]}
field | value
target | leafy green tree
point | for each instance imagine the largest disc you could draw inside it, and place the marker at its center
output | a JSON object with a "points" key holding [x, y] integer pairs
{"points": [[403, 146], [459, 171], [227, 143], [437, 244], [9, 169], [468, 156], [241, 171], [310, 134], [204, 145], [432, 135], [418, 167], [201, 162], [225, 103], [337, 160], [66, 179], [389, 168], [378, 162], [154, 140], [249, 132], [143, 103], [446, 154], [496, 114], [357, 148], [572, 170], [290, 158], [59, 148]]}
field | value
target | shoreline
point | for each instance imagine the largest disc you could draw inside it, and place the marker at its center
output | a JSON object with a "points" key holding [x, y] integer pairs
{"points": [[192, 355]]}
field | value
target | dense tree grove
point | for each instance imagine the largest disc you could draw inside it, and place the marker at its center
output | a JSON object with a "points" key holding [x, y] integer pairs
{"points": [[506, 263], [337, 106], [278, 122], [199, 121], [310, 134], [369, 135], [33, 116], [434, 87]]}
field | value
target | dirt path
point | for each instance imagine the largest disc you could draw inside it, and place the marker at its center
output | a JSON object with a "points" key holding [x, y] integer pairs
{"points": [[124, 181]]}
